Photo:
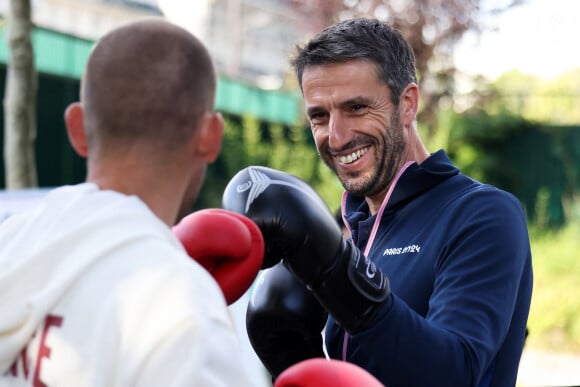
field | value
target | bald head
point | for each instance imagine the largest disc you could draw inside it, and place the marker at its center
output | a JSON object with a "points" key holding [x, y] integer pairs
{"points": [[148, 82]]}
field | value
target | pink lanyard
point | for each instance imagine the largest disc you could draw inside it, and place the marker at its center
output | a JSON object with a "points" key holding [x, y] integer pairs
{"points": [[374, 231]]}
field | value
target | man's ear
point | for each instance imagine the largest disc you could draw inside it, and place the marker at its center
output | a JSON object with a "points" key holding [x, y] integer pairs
{"points": [[409, 103], [209, 141], [73, 118]]}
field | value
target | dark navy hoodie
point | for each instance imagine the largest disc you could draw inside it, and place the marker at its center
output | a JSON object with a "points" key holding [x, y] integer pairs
{"points": [[457, 255]]}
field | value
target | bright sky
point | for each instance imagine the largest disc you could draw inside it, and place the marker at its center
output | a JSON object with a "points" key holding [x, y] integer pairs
{"points": [[541, 38]]}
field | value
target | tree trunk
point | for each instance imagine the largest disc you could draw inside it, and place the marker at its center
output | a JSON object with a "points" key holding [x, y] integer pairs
{"points": [[20, 100]]}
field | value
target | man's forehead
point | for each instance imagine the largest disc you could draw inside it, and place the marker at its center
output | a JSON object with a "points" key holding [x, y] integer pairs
{"points": [[351, 66], [342, 81]]}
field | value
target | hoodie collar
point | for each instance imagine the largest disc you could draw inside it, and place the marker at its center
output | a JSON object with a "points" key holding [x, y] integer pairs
{"points": [[416, 179]]}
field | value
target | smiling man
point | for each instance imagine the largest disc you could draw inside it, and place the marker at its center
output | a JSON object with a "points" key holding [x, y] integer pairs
{"points": [[361, 133], [456, 252]]}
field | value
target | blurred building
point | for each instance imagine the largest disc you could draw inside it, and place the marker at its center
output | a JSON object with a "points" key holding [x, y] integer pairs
{"points": [[249, 39]]}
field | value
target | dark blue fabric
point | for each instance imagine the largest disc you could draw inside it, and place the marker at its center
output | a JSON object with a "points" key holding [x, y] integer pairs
{"points": [[458, 258]]}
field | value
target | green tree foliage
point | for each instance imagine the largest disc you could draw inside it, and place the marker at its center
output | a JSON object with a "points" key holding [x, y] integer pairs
{"points": [[248, 141], [554, 323], [540, 164], [521, 133], [555, 100]]}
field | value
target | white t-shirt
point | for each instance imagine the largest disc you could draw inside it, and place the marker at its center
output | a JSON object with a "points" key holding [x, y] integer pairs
{"points": [[96, 291]]}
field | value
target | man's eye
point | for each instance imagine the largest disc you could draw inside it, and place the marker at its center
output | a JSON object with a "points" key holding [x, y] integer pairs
{"points": [[357, 107], [317, 117]]}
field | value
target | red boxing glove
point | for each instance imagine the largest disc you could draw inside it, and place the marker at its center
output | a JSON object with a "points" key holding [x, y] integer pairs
{"points": [[320, 372], [228, 245]]}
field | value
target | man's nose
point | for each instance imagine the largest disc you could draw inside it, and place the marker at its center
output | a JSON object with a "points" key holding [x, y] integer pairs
{"points": [[338, 132]]}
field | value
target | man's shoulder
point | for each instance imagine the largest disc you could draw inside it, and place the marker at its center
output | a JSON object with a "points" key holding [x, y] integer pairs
{"points": [[466, 188]]}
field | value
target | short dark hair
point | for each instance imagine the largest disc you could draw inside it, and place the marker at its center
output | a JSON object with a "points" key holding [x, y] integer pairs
{"points": [[366, 39]]}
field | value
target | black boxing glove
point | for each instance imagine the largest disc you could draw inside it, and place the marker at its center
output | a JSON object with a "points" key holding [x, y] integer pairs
{"points": [[284, 321], [299, 228]]}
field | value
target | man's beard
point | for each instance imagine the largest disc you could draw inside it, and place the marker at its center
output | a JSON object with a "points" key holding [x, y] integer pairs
{"points": [[385, 167]]}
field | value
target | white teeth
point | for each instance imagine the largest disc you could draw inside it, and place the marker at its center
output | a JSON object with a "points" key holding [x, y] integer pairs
{"points": [[353, 156]]}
